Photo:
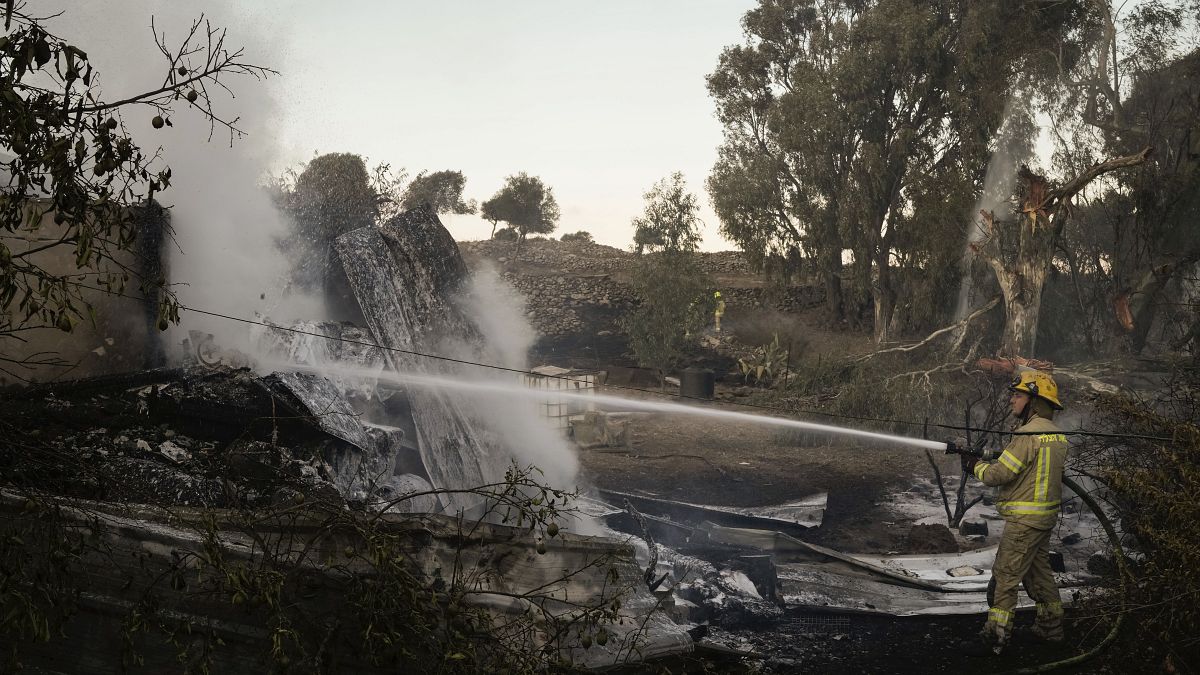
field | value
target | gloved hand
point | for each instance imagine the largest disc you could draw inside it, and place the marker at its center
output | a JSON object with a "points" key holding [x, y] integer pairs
{"points": [[956, 446], [968, 462]]}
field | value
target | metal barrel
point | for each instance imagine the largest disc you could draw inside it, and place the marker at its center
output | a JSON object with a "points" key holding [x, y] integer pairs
{"points": [[697, 383]]}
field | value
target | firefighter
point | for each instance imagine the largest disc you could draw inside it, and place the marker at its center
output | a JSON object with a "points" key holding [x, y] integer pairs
{"points": [[719, 311], [1029, 476]]}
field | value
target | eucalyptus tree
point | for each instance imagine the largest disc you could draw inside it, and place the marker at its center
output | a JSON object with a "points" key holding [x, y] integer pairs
{"points": [[1134, 85], [841, 116]]}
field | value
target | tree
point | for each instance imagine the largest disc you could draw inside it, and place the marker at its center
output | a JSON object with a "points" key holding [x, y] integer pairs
{"points": [[1037, 230], [526, 204], [581, 236], [442, 190], [671, 288], [493, 211], [332, 195], [670, 221], [840, 116], [1132, 86], [76, 177], [388, 184]]}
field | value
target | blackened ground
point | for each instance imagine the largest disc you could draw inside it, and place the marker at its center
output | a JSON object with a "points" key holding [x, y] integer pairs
{"points": [[833, 643], [721, 462]]}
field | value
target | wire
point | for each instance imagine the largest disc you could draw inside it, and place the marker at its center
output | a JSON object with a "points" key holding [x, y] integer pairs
{"points": [[492, 366], [519, 371]]}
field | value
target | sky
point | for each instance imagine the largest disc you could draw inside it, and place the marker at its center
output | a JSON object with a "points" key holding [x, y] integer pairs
{"points": [[599, 99]]}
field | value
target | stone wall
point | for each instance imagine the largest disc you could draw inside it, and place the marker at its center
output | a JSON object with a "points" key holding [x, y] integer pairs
{"points": [[558, 304], [579, 290]]}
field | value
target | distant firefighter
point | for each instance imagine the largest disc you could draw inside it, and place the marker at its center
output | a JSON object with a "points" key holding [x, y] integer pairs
{"points": [[719, 311]]}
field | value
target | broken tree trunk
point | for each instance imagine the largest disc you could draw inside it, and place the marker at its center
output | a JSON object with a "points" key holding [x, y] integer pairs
{"points": [[1144, 300], [1037, 230]]}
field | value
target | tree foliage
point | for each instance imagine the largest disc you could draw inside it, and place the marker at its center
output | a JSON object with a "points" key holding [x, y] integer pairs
{"points": [[670, 221], [329, 196], [672, 290], [673, 306], [74, 175], [332, 196], [839, 117], [442, 190], [1151, 486], [580, 236], [1136, 84], [524, 202]]}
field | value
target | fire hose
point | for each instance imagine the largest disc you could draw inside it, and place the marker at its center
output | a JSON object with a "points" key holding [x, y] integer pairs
{"points": [[1123, 573]]}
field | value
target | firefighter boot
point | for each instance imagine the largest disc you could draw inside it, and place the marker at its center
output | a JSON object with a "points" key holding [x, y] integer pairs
{"points": [[994, 635], [1049, 625]]}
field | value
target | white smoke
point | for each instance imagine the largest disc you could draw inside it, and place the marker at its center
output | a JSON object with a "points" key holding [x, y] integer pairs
{"points": [[498, 311], [223, 257], [1012, 147]]}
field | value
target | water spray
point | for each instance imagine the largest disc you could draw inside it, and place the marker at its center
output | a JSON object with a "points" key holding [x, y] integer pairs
{"points": [[500, 388]]}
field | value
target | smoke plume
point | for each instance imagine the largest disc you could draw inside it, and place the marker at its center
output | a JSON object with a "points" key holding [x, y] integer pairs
{"points": [[498, 311], [223, 256]]}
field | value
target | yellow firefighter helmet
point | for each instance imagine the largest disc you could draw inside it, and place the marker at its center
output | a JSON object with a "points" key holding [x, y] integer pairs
{"points": [[717, 295], [1038, 384]]}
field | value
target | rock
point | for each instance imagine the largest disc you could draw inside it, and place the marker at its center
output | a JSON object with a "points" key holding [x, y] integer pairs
{"points": [[969, 527], [1072, 539], [393, 493], [934, 538]]}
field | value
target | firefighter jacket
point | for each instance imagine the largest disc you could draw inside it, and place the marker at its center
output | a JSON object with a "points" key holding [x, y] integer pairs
{"points": [[1029, 475]]}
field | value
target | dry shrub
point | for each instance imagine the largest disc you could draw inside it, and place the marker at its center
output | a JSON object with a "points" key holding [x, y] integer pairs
{"points": [[898, 388], [1155, 489]]}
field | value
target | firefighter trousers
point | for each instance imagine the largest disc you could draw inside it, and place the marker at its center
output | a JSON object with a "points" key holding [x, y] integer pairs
{"points": [[1023, 558]]}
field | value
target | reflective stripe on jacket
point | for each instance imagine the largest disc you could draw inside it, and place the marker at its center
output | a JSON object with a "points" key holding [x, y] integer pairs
{"points": [[1029, 474]]}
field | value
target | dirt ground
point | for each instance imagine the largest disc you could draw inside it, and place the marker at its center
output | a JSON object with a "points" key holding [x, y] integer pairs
{"points": [[728, 463]]}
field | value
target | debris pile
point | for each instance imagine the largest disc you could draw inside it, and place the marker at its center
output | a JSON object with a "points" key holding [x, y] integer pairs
{"points": [[212, 437]]}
